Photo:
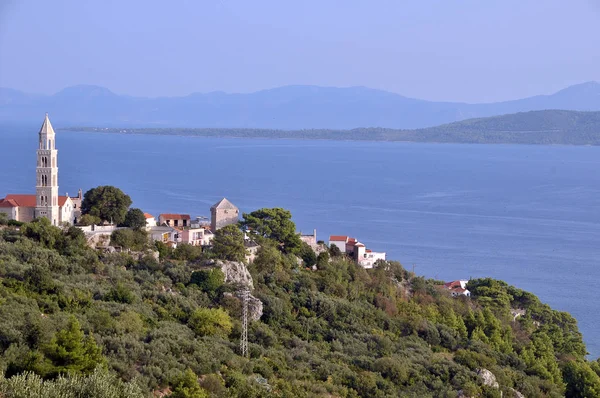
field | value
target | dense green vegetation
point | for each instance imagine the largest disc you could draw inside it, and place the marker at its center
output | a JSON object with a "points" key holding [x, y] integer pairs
{"points": [[547, 127], [76, 322]]}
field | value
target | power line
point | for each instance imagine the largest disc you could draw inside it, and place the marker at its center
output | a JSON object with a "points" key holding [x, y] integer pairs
{"points": [[244, 338]]}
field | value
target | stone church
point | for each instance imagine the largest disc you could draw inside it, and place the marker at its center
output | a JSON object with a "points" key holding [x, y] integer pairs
{"points": [[46, 202]]}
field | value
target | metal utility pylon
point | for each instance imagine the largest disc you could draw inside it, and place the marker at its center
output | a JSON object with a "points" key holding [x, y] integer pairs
{"points": [[244, 338]]}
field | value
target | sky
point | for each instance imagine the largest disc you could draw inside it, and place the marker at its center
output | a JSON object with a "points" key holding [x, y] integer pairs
{"points": [[458, 50]]}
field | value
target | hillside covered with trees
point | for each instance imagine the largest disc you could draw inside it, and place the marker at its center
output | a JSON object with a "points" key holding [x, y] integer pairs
{"points": [[77, 322], [548, 127]]}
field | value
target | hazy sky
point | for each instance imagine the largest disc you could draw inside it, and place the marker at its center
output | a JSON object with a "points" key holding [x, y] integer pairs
{"points": [[459, 50]]}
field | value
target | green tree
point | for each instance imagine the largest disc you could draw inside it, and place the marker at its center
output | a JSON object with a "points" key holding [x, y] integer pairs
{"points": [[88, 219], [307, 254], [209, 280], [70, 351], [120, 294], [228, 244], [106, 202], [335, 251], [187, 386], [3, 219], [135, 219], [40, 230], [275, 224], [100, 383], [581, 380], [123, 238], [210, 322]]}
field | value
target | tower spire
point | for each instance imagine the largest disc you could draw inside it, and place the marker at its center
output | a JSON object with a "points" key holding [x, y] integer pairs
{"points": [[47, 174]]}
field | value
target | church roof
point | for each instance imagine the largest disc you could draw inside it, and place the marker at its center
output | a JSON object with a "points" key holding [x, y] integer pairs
{"points": [[16, 200], [224, 204], [47, 127]]}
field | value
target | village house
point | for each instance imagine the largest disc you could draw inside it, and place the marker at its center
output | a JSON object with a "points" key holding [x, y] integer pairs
{"points": [[251, 249], [200, 236], [311, 240], [174, 220], [458, 288], [150, 220], [339, 241], [223, 213], [165, 234], [46, 202], [356, 250]]}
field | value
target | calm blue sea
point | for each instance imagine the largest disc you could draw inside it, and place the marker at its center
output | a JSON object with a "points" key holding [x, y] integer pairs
{"points": [[529, 215]]}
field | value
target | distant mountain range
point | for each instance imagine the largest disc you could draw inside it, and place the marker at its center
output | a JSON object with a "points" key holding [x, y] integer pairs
{"points": [[550, 127], [289, 107]]}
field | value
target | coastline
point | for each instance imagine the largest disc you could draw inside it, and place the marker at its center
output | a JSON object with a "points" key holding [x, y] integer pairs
{"points": [[325, 136]]}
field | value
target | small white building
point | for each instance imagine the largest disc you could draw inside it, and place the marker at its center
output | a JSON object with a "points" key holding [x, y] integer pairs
{"points": [[339, 241], [150, 220], [165, 234], [196, 236], [369, 258]]}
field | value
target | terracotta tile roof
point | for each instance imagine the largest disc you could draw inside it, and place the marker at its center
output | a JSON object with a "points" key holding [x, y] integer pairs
{"points": [[16, 200], [61, 200], [8, 203], [22, 200], [169, 216], [148, 215], [452, 285], [338, 238]]}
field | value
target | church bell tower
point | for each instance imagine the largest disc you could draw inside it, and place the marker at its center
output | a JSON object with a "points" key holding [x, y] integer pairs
{"points": [[47, 175]]}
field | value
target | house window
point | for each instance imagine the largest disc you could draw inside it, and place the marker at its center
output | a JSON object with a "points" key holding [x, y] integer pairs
{"points": [[184, 223], [176, 222]]}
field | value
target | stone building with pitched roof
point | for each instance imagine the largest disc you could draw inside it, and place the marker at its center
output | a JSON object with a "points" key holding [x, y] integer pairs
{"points": [[223, 213], [46, 202]]}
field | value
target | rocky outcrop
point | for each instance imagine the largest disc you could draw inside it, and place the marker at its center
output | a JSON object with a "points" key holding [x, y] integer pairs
{"points": [[235, 273], [516, 394], [488, 378], [255, 308]]}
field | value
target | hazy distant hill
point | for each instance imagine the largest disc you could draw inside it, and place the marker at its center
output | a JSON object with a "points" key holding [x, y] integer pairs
{"points": [[534, 127], [290, 107]]}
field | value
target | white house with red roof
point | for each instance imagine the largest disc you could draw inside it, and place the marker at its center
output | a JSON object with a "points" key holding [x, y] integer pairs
{"points": [[150, 220], [339, 241], [45, 202], [355, 249], [458, 288]]}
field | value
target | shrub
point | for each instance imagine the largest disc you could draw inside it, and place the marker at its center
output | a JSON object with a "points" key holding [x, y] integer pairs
{"points": [[210, 322]]}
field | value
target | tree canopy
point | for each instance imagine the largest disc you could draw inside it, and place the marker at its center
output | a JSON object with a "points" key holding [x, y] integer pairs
{"points": [[107, 203], [275, 224], [228, 244], [135, 219]]}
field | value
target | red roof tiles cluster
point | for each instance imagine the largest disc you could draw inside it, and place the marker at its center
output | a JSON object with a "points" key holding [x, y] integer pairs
{"points": [[175, 216], [17, 200]]}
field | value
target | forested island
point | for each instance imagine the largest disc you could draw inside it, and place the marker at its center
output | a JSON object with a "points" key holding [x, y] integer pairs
{"points": [[549, 127], [155, 320]]}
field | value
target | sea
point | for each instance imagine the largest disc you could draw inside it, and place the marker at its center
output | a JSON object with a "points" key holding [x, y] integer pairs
{"points": [[529, 215]]}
